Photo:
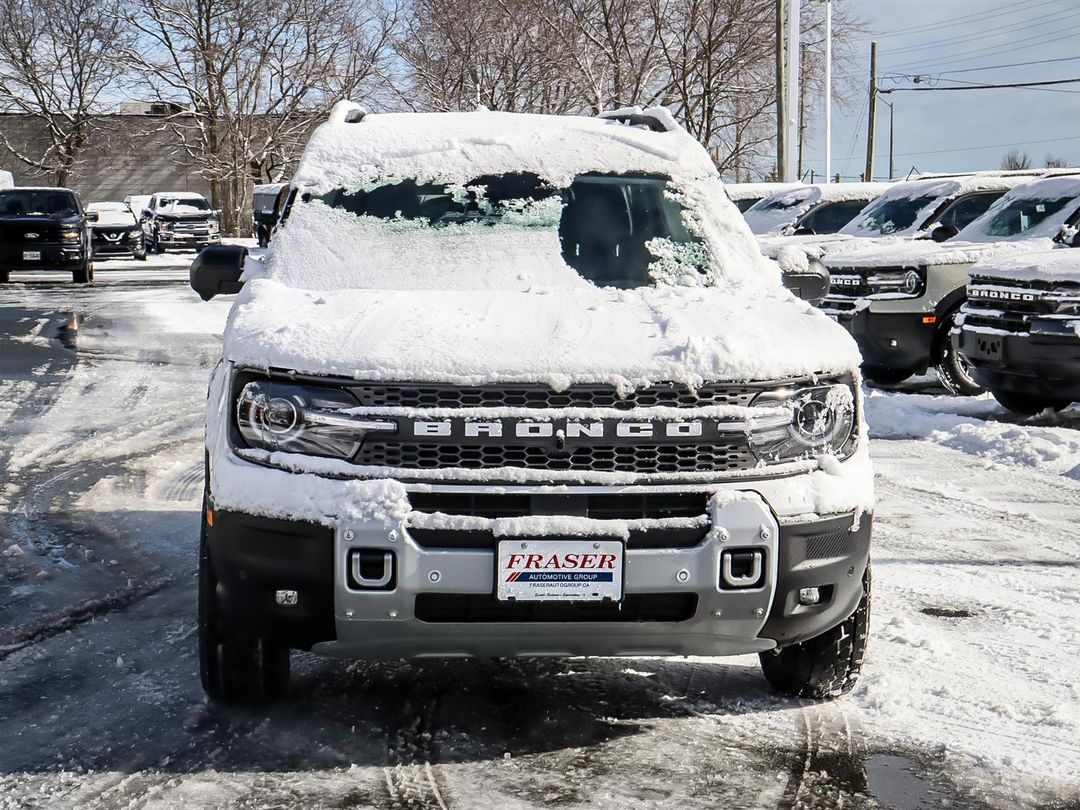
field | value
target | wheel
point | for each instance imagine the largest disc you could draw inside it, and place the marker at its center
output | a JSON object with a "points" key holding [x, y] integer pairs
{"points": [[1028, 405], [234, 667], [825, 666], [264, 237], [953, 369], [156, 246], [879, 375], [141, 256], [84, 275], [5, 276]]}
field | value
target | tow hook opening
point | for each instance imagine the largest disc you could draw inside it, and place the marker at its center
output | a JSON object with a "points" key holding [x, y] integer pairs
{"points": [[742, 568], [372, 569]]}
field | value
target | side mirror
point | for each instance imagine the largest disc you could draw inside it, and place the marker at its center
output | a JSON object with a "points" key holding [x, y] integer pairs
{"points": [[943, 233], [811, 284], [92, 216], [804, 231], [216, 212], [217, 269]]}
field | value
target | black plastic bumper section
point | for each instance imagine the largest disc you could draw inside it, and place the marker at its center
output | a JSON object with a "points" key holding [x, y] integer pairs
{"points": [[826, 555], [1030, 364], [899, 341], [255, 556]]}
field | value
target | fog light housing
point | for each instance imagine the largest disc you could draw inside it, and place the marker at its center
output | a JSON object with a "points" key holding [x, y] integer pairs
{"points": [[810, 596]]}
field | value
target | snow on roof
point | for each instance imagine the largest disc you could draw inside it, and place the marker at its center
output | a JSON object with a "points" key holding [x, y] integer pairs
{"points": [[181, 195], [457, 147], [783, 208], [755, 191], [1057, 264], [107, 206], [270, 188]]}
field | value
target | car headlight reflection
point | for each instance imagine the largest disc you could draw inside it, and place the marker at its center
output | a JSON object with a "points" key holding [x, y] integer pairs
{"points": [[301, 419], [820, 420], [905, 282]]}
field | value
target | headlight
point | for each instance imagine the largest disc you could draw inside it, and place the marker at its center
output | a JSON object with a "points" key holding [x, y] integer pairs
{"points": [[134, 234], [213, 225], [302, 419], [820, 420], [1065, 301], [165, 226], [906, 282], [70, 234]]}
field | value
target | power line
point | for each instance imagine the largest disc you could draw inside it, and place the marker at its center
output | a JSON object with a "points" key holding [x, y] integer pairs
{"points": [[1001, 11], [988, 146], [1014, 64], [968, 86], [970, 35], [1015, 45]]}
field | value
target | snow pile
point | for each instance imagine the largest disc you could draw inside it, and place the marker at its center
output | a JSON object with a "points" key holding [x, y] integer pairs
{"points": [[1059, 264], [967, 425]]}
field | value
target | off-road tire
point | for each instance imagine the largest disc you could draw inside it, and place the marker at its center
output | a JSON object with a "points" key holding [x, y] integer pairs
{"points": [[84, 275], [825, 666], [235, 667], [879, 375], [141, 256], [953, 369], [1028, 405], [5, 276]]}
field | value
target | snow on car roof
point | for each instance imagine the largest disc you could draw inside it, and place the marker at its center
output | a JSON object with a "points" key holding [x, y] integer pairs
{"points": [[1057, 264], [270, 188], [755, 191], [457, 147], [782, 208]]}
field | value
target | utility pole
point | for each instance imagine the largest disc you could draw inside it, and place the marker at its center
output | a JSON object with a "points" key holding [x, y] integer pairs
{"points": [[828, 91], [871, 125], [781, 96], [794, 81], [802, 124]]}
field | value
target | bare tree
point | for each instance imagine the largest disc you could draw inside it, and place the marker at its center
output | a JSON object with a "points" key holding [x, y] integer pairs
{"points": [[57, 65], [253, 77], [1015, 160], [1053, 162]]}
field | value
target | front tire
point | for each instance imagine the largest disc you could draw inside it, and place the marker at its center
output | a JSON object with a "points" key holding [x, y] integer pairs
{"points": [[953, 369], [5, 276], [1028, 405], [235, 667], [83, 275], [825, 666]]}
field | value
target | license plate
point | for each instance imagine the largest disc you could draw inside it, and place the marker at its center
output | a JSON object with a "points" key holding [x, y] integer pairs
{"points": [[559, 570], [986, 347], [31, 255]]}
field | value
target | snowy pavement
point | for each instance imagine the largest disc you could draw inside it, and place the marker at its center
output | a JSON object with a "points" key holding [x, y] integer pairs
{"points": [[970, 697]]}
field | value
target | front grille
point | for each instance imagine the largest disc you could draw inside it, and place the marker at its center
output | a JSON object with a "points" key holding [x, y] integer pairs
{"points": [[191, 228], [669, 395], [635, 607], [1011, 314], [826, 546], [850, 282], [598, 506], [681, 537], [670, 458]]}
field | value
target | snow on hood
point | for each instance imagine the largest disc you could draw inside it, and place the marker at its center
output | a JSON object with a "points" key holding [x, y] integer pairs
{"points": [[559, 337], [785, 207], [112, 215], [812, 244], [1059, 264], [925, 252]]}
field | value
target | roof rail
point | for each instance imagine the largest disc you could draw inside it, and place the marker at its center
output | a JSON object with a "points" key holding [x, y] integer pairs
{"points": [[355, 116], [658, 119], [347, 112]]}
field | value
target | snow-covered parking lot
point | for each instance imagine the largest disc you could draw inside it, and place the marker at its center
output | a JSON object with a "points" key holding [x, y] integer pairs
{"points": [[970, 696]]}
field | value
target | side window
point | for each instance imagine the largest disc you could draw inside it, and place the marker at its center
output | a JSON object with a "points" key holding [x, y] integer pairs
{"points": [[831, 217], [968, 208]]}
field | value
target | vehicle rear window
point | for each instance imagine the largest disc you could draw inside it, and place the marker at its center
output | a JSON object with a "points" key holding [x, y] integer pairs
{"points": [[35, 202]]}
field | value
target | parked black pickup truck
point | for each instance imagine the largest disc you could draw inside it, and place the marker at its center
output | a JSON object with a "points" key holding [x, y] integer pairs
{"points": [[45, 229], [179, 220]]}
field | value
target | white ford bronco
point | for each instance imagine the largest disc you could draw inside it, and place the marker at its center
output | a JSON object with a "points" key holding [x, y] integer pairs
{"points": [[514, 385]]}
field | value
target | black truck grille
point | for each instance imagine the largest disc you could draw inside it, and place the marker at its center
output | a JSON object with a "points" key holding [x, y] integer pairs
{"points": [[1010, 305], [669, 395], [643, 458]]}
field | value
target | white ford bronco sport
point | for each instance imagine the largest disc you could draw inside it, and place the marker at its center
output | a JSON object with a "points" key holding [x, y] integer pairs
{"points": [[510, 385]]}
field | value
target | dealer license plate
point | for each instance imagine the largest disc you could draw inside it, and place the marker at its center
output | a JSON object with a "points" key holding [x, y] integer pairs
{"points": [[559, 570], [31, 255], [986, 347]]}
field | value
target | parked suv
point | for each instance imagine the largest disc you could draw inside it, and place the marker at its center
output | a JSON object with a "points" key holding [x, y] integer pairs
{"points": [[901, 299], [514, 385], [810, 210], [179, 220], [267, 204], [45, 229], [116, 231], [1020, 328]]}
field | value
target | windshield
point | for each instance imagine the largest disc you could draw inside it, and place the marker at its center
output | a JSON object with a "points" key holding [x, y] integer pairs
{"points": [[181, 203], [828, 218], [34, 202], [620, 231], [1015, 218], [888, 215]]}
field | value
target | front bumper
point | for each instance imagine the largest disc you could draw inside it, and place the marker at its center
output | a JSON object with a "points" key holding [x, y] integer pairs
{"points": [[52, 257], [1040, 365], [893, 340], [170, 240], [440, 601]]}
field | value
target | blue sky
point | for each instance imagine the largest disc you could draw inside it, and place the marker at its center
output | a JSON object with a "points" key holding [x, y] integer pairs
{"points": [[943, 131]]}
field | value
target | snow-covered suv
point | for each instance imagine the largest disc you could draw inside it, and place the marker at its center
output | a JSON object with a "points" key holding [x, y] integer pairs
{"points": [[523, 385], [901, 298]]}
